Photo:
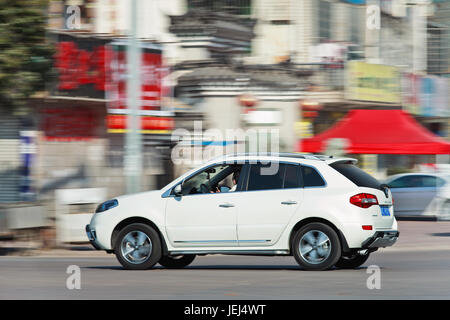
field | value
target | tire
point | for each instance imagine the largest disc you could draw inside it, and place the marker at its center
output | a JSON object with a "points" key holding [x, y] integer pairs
{"points": [[320, 247], [444, 215], [176, 262], [138, 247], [352, 262]]}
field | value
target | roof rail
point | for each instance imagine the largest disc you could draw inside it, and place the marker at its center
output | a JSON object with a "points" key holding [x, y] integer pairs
{"points": [[280, 154]]}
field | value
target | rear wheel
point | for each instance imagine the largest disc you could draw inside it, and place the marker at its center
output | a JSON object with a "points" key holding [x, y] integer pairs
{"points": [[138, 247], [352, 262], [176, 262], [316, 246], [445, 211]]}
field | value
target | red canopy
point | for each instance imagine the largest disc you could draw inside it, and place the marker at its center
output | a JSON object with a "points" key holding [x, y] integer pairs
{"points": [[379, 132]]}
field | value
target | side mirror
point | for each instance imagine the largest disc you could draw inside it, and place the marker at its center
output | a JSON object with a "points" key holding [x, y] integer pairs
{"points": [[178, 191]]}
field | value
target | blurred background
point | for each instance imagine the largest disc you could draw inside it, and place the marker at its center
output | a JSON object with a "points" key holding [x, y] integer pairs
{"points": [[91, 92]]}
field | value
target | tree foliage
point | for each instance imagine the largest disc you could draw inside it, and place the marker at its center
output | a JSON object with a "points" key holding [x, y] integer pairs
{"points": [[25, 56]]}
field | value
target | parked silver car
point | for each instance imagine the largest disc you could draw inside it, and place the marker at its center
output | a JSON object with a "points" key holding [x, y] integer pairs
{"points": [[421, 194]]}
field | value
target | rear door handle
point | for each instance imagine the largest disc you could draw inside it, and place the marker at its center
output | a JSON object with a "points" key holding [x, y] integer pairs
{"points": [[226, 205], [289, 202]]}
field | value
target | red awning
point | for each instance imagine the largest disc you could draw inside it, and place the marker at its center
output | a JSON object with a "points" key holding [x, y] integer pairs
{"points": [[379, 132]]}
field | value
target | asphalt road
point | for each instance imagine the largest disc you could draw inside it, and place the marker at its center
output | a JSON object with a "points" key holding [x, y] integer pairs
{"points": [[417, 268]]}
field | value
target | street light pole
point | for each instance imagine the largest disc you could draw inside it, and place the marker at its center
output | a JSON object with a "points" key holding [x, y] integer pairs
{"points": [[133, 145]]}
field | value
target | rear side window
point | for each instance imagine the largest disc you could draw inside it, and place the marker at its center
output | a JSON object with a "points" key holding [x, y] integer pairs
{"points": [[432, 182], [356, 175], [311, 178], [287, 176], [292, 176]]}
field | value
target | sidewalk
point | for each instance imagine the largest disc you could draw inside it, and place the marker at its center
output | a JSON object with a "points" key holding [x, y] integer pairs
{"points": [[414, 236]]}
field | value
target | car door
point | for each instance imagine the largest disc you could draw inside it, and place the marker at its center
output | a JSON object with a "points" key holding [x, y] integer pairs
{"points": [[202, 219], [267, 203], [429, 188], [407, 192]]}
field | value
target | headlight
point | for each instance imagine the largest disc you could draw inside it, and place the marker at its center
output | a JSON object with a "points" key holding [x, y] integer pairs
{"points": [[107, 205]]}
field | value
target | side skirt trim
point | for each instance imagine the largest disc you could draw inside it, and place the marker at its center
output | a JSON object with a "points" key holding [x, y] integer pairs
{"points": [[233, 252]]}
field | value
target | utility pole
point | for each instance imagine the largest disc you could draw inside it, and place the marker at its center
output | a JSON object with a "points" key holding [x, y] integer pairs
{"points": [[419, 34], [133, 144]]}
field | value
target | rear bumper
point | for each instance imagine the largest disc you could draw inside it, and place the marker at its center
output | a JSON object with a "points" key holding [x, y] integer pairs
{"points": [[92, 237], [381, 239]]}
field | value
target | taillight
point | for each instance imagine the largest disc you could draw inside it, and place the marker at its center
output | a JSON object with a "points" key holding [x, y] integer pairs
{"points": [[364, 200]]}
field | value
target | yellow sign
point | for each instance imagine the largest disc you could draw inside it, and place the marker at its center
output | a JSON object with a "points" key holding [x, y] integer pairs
{"points": [[372, 82], [303, 129]]}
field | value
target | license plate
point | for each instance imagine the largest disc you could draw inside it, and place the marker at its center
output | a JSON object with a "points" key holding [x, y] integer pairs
{"points": [[385, 211]]}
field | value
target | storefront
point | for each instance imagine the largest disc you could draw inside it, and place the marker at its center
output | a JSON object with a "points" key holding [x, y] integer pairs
{"points": [[83, 122], [379, 132]]}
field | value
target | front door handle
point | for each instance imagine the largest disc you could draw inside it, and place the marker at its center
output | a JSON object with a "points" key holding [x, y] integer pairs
{"points": [[226, 205], [289, 202]]}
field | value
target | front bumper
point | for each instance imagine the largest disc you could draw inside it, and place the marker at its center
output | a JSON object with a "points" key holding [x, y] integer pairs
{"points": [[92, 237], [381, 239]]}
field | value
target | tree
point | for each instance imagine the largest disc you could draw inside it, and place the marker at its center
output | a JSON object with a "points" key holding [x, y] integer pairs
{"points": [[25, 56]]}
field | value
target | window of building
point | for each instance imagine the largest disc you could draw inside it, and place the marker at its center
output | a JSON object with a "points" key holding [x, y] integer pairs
{"points": [[237, 7], [324, 19]]}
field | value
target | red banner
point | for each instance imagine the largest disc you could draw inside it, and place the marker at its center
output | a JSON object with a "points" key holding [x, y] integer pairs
{"points": [[70, 123], [151, 71], [119, 122], [82, 67]]}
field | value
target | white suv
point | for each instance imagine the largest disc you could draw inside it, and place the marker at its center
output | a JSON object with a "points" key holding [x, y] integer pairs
{"points": [[324, 211]]}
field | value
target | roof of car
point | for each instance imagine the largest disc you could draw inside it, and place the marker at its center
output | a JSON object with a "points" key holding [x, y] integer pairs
{"points": [[435, 174], [317, 157]]}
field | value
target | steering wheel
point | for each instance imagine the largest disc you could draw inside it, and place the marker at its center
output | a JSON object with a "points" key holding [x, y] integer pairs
{"points": [[204, 188]]}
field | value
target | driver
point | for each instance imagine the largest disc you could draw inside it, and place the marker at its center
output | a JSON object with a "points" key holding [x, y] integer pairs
{"points": [[235, 180]]}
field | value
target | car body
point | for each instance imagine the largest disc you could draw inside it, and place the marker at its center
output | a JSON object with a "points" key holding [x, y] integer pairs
{"points": [[420, 194], [284, 204]]}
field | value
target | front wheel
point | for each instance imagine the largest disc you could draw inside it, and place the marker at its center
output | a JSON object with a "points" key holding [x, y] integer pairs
{"points": [[176, 262], [352, 262], [138, 247], [316, 246]]}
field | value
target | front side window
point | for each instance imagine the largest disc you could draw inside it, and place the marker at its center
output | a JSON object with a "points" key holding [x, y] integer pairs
{"points": [[219, 178]]}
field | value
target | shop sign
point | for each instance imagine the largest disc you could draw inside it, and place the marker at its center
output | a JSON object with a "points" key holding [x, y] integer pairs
{"points": [[70, 123], [149, 124], [263, 117], [372, 82], [151, 73], [440, 98], [153, 119], [433, 96], [81, 67], [410, 93]]}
